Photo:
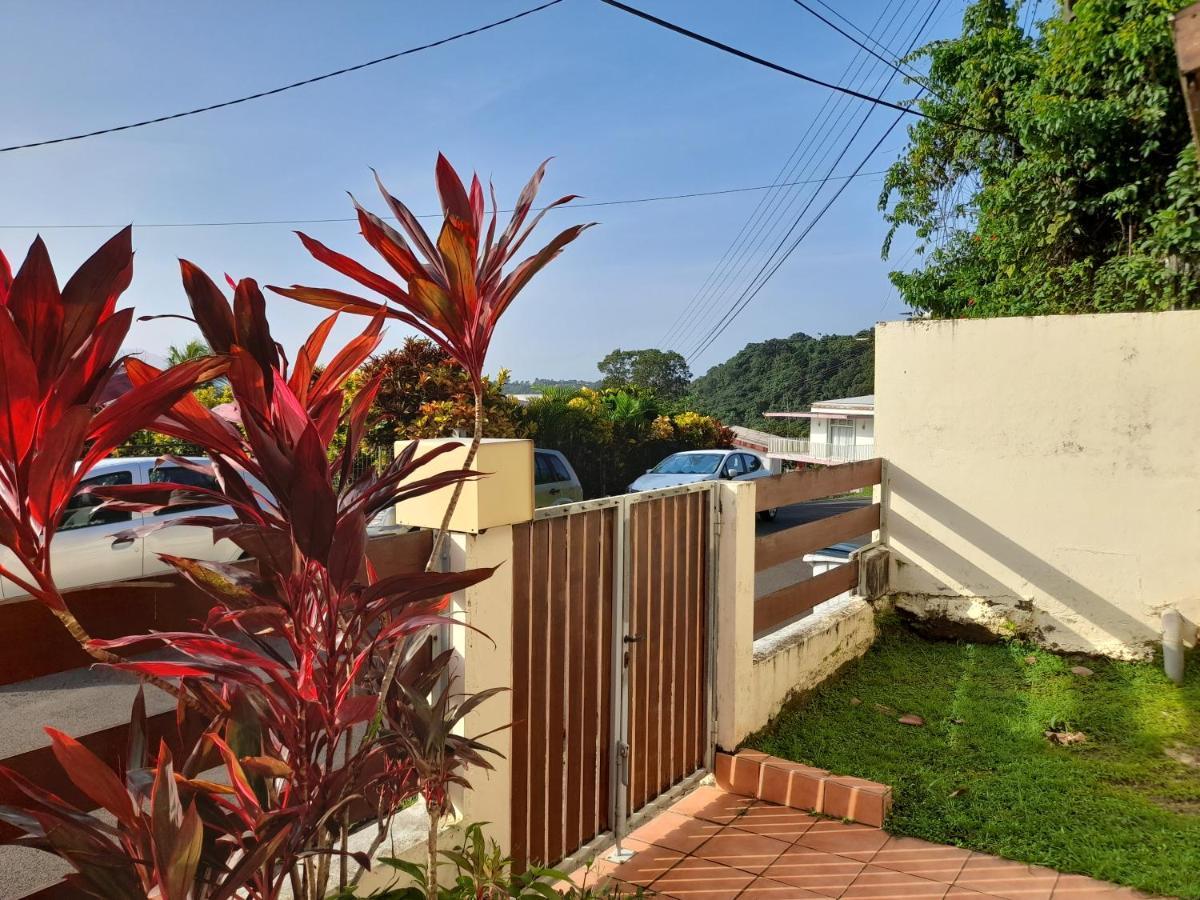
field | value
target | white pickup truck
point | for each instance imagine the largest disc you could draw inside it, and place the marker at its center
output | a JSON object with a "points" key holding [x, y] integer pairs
{"points": [[86, 549]]}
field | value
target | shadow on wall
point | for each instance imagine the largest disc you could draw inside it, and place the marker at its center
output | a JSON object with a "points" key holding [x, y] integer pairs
{"points": [[1055, 608]]}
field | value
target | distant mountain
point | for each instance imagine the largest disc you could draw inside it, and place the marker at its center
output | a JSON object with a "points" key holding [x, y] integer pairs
{"points": [[785, 374], [537, 385]]}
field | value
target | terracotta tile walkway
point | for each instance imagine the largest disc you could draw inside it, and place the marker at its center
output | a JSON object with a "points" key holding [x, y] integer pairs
{"points": [[717, 846]]}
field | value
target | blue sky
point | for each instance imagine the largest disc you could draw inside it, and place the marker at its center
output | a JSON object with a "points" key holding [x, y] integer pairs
{"points": [[627, 109]]}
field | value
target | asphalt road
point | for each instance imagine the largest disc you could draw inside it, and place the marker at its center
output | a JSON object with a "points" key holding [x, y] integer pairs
{"points": [[809, 512]]}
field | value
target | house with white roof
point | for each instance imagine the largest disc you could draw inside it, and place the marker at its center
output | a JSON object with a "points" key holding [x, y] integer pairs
{"points": [[840, 431]]}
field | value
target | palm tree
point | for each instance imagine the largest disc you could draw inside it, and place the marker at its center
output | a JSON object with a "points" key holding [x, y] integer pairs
{"points": [[193, 349]]}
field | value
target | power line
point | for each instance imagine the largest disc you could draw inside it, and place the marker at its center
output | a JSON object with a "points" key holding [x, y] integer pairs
{"points": [[595, 203], [798, 240], [286, 87], [883, 59], [751, 291], [758, 60], [757, 228]]}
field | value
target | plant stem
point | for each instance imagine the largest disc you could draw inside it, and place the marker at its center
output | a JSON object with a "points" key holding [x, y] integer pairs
{"points": [[389, 674], [444, 530], [431, 879]]}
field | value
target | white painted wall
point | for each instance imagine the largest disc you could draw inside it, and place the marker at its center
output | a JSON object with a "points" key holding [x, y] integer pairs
{"points": [[1043, 474]]}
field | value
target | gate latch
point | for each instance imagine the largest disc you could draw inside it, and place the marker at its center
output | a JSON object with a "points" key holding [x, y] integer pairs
{"points": [[633, 638], [623, 762]]}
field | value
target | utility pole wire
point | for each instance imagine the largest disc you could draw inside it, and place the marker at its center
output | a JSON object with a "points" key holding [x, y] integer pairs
{"points": [[758, 60], [728, 321], [893, 63], [625, 202], [286, 87]]}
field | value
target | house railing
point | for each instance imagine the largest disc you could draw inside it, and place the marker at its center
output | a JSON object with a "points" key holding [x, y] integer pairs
{"points": [[817, 451], [782, 606]]}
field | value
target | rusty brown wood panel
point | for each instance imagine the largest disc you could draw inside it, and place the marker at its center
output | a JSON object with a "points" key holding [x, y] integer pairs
{"points": [[557, 646], [541, 651], [680, 630], [589, 661], [607, 673], [638, 653], [774, 609], [576, 598], [521, 677], [668, 726], [813, 484], [698, 709], [791, 543]]}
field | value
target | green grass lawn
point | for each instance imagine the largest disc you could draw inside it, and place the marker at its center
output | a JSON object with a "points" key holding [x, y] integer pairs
{"points": [[981, 774]]}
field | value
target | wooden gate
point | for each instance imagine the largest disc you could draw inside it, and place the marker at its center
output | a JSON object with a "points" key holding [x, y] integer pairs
{"points": [[610, 673]]}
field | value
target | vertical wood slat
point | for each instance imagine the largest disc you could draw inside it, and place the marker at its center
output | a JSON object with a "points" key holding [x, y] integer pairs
{"points": [[700, 607], [521, 678], [591, 545], [681, 631], [576, 548], [639, 654], [555, 727], [607, 670], [654, 711], [540, 642]]}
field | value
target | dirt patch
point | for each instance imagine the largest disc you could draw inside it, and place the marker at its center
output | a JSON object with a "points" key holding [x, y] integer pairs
{"points": [[1181, 753], [1175, 805]]}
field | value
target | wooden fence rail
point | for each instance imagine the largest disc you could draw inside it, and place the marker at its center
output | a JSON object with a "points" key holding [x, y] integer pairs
{"points": [[786, 604]]}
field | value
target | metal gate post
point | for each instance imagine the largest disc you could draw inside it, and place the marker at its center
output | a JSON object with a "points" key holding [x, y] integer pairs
{"points": [[710, 608], [619, 765]]}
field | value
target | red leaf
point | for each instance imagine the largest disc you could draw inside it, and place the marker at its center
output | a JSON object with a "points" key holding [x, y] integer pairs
{"points": [[209, 306], [52, 473], [313, 506], [352, 269], [250, 321], [90, 295], [36, 304], [306, 359], [91, 775], [18, 392]]}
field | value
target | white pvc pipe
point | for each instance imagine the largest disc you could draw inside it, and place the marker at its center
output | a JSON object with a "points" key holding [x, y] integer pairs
{"points": [[1172, 629]]}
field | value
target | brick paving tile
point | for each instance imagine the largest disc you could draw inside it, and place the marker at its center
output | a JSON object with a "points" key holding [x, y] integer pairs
{"points": [[936, 862]]}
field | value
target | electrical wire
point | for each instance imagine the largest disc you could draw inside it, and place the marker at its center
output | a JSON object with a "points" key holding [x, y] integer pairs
{"points": [[895, 64], [758, 60], [750, 291], [625, 202], [769, 231], [799, 239], [733, 261], [286, 87]]}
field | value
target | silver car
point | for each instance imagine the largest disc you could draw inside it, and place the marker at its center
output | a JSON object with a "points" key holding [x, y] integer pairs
{"points": [[692, 466]]}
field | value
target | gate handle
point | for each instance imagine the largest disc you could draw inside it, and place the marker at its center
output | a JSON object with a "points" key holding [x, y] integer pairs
{"points": [[633, 638]]}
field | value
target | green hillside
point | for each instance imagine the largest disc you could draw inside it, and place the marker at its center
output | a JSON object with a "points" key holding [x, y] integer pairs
{"points": [[785, 374]]}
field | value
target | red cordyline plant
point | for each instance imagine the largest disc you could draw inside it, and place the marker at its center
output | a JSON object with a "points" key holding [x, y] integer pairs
{"points": [[278, 667], [58, 351], [455, 289]]}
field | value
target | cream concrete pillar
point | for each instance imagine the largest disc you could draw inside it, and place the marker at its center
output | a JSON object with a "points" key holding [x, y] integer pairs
{"points": [[734, 676], [485, 661]]}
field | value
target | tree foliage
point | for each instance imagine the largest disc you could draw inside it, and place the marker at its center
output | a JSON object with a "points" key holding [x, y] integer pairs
{"points": [[1072, 188], [785, 374], [424, 393], [611, 436], [665, 373]]}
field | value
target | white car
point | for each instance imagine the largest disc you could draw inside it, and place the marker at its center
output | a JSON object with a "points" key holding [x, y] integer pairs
{"points": [[87, 550], [692, 466], [554, 480]]}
